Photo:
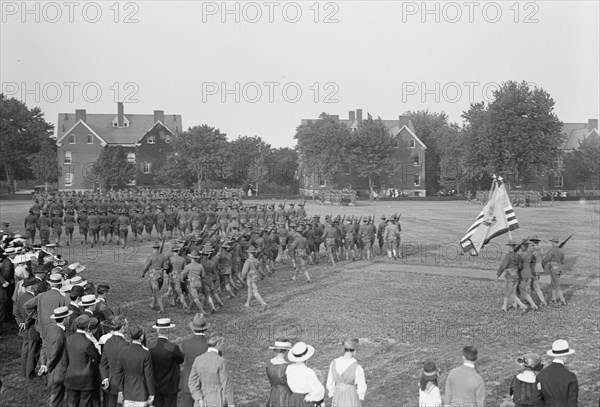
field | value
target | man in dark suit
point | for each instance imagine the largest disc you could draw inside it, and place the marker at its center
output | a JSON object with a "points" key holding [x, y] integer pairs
{"points": [[166, 358], [75, 295], [102, 311], [82, 378], [7, 284], [558, 385], [134, 370], [55, 360], [108, 361], [32, 342], [44, 303], [193, 346]]}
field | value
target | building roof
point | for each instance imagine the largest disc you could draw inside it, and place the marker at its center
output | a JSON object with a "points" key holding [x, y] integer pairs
{"points": [[575, 133], [102, 125]]}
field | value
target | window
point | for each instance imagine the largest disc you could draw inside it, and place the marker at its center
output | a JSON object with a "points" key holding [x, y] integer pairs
{"points": [[151, 140], [68, 157], [146, 167], [558, 181], [560, 164], [415, 159], [68, 179], [115, 124], [71, 139], [131, 158], [411, 143], [346, 170], [417, 180], [90, 139], [126, 124]]}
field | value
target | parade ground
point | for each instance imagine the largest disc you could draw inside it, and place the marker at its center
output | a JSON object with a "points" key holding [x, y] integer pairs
{"points": [[427, 305]]}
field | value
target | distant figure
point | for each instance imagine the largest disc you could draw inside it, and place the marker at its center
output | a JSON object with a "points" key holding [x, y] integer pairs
{"points": [[464, 386]]}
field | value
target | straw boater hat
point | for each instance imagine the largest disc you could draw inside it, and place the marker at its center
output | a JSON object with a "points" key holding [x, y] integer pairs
{"points": [[61, 312], [560, 348], [163, 323], [55, 278], [77, 280], [300, 352], [198, 324], [351, 344], [283, 345], [77, 267], [88, 300]]}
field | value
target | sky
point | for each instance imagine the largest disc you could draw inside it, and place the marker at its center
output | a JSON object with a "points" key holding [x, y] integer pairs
{"points": [[258, 68]]}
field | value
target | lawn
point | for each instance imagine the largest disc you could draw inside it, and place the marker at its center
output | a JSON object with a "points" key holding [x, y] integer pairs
{"points": [[402, 317]]}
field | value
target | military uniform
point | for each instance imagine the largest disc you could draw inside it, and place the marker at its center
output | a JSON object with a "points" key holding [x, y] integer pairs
{"points": [[154, 267], [554, 262]]}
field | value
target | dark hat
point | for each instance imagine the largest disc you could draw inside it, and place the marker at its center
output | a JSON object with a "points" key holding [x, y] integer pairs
{"points": [[29, 282], [531, 361], [351, 344], [429, 369], [534, 238], [77, 290], [198, 324]]}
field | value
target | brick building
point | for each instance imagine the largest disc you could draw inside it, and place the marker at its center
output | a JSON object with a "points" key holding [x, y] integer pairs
{"points": [[409, 153], [81, 137]]}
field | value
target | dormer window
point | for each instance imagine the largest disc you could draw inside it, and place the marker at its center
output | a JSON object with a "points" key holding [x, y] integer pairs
{"points": [[411, 143], [115, 124], [71, 139], [126, 124], [151, 140]]}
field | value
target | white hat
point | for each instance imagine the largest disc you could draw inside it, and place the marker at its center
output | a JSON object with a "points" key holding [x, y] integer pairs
{"points": [[56, 278], [61, 312], [300, 352], [281, 345], [66, 288], [560, 348], [88, 300], [77, 267], [20, 258], [77, 280], [163, 323]]}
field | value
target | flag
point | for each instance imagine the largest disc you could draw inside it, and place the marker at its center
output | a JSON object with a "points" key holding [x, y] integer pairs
{"points": [[496, 218]]}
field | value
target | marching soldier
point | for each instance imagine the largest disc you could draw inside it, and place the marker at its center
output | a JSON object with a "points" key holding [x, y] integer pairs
{"points": [[82, 221], [176, 266], [57, 224], [250, 274], [30, 226], [155, 266], [536, 268], [392, 237], [104, 225], [194, 273], [94, 222], [160, 221], [137, 225], [149, 220], [554, 262], [329, 235], [209, 287], [300, 212], [510, 266], [123, 227], [69, 226], [348, 231], [298, 249], [365, 237], [43, 224], [280, 214], [282, 234], [380, 239]]}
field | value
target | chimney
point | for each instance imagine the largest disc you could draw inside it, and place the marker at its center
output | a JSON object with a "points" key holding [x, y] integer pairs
{"points": [[159, 115], [351, 115], [592, 124], [120, 120], [80, 115], [359, 115]]}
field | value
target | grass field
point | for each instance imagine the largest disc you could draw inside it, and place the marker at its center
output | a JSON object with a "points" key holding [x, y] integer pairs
{"points": [[402, 316]]}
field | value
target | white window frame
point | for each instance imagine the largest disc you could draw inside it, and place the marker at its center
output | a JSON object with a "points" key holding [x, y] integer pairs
{"points": [[146, 167], [559, 181], [151, 140], [90, 139], [412, 143], [68, 157], [417, 161], [417, 180], [69, 179], [73, 138], [130, 159]]}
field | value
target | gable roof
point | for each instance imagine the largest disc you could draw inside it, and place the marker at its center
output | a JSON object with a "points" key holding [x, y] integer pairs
{"points": [[101, 125], [395, 131], [575, 133], [59, 140]]}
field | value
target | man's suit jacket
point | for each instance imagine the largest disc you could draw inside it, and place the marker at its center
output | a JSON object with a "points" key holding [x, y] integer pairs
{"points": [[83, 372], [166, 358], [102, 311], [193, 346], [7, 274], [71, 325], [464, 386], [45, 303], [559, 386], [56, 358], [134, 373], [209, 380], [21, 316], [108, 361]]}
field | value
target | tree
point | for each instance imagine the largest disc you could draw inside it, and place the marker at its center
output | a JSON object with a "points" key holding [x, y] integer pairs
{"points": [[241, 153], [451, 148], [371, 149], [430, 128], [22, 133], [113, 168], [284, 164], [203, 149], [44, 164], [517, 135], [583, 164], [257, 172], [321, 146], [175, 172]]}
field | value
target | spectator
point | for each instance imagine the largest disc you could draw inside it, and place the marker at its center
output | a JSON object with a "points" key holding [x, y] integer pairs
{"points": [[134, 375], [464, 385], [166, 358], [346, 379], [523, 387], [558, 385], [429, 392]]}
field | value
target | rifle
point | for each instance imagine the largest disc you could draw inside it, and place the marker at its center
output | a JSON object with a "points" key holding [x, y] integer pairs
{"points": [[518, 247], [162, 244], [561, 244], [161, 279], [343, 218]]}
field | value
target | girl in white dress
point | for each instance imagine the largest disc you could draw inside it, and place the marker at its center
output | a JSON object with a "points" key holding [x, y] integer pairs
{"points": [[429, 392]]}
